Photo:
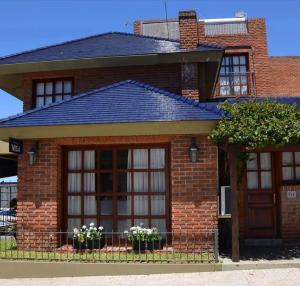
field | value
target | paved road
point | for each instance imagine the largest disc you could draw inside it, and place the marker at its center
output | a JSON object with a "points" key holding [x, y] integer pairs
{"points": [[273, 277]]}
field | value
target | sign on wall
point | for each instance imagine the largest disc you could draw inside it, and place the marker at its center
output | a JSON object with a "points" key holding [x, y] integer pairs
{"points": [[15, 146]]}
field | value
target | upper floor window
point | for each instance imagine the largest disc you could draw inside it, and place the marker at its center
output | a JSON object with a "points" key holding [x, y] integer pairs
{"points": [[291, 166], [233, 79], [49, 91]]}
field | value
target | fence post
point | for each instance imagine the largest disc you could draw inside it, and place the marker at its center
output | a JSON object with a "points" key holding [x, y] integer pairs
{"points": [[216, 244]]}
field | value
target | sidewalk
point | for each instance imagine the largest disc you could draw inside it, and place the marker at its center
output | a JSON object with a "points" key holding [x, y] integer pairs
{"points": [[272, 277]]}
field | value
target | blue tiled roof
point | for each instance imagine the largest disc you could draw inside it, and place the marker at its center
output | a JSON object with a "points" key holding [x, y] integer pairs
{"points": [[126, 101], [103, 45]]}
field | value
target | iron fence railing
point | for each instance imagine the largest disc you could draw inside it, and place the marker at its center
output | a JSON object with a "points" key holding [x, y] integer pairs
{"points": [[172, 247], [234, 84]]}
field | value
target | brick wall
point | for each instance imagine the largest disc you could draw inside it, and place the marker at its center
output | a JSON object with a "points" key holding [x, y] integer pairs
{"points": [[166, 76], [290, 213], [285, 76], [193, 198]]}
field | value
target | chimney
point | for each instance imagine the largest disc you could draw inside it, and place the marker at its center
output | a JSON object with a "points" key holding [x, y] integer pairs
{"points": [[188, 29]]}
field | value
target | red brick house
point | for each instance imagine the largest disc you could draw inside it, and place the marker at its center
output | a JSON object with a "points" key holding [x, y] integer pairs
{"points": [[112, 118]]}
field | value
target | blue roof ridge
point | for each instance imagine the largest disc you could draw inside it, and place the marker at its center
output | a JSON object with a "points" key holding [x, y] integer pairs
{"points": [[85, 38]]}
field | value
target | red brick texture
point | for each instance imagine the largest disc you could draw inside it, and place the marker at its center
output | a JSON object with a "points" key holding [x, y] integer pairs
{"points": [[193, 197], [188, 29], [285, 76]]}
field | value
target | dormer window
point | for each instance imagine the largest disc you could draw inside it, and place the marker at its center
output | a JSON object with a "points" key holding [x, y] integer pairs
{"points": [[49, 91]]}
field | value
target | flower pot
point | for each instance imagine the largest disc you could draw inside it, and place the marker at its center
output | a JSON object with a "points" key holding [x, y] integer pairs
{"points": [[78, 245], [95, 243], [139, 246], [154, 245]]}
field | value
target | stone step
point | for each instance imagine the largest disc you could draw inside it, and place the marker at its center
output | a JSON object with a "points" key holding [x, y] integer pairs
{"points": [[263, 242]]}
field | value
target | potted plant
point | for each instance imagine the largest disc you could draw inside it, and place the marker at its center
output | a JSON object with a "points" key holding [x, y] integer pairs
{"points": [[137, 236], [79, 238], [94, 237], [154, 239]]}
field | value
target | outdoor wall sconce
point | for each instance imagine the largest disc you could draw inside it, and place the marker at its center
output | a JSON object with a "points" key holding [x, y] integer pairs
{"points": [[33, 154], [193, 151]]}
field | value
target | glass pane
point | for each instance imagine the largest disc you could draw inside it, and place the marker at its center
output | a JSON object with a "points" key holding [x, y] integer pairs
{"points": [[74, 160], [140, 182], [297, 173], [124, 182], [106, 205], [242, 60], [67, 97], [49, 88], [106, 182], [143, 222], [58, 87], [48, 99], [40, 88], [124, 205], [107, 227], [287, 158], [158, 183], [140, 159], [90, 205], [160, 224], [58, 98], [287, 173], [265, 161], [124, 224], [74, 183], [89, 160], [89, 182], [106, 159], [297, 158], [67, 86], [74, 206], [157, 158], [89, 220], [124, 159], [252, 180], [235, 60], [158, 205], [72, 223], [141, 205], [39, 101], [266, 180], [252, 161]]}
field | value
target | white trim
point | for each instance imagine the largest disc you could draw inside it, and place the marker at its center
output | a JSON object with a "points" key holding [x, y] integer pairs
{"points": [[223, 20]]}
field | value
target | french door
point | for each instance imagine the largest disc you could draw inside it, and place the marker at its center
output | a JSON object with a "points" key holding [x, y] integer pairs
{"points": [[116, 187], [261, 196]]}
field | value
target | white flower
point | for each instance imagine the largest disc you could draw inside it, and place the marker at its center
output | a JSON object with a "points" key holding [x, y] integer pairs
{"points": [[141, 224], [133, 228], [95, 228], [100, 227], [92, 224], [134, 232], [75, 230], [125, 231], [84, 227]]}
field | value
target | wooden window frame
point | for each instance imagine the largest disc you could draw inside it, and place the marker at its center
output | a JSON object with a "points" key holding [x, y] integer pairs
{"points": [[115, 217], [53, 81], [294, 165]]}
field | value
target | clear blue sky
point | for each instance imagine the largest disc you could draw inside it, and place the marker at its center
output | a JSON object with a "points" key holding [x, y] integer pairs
{"points": [[27, 24]]}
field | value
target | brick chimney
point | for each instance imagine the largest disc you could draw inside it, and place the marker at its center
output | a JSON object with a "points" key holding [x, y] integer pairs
{"points": [[188, 29]]}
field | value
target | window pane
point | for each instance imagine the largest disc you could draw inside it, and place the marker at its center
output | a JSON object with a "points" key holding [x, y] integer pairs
{"points": [[67, 86], [140, 159], [89, 182], [265, 161], [124, 182], [89, 160], [87, 221], [39, 101], [74, 183], [74, 206], [158, 183], [266, 180], [106, 157], [235, 60], [40, 88], [158, 205], [297, 173], [107, 227], [124, 205], [74, 160], [48, 99], [157, 158], [297, 158], [72, 223], [90, 205], [106, 182], [252, 180], [287, 173], [252, 161], [67, 97], [143, 222], [287, 158], [106, 205], [58, 98], [124, 224], [49, 88], [141, 205], [58, 87], [140, 182], [242, 60], [124, 159], [160, 224]]}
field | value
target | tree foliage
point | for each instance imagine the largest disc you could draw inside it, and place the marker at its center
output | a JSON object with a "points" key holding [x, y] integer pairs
{"points": [[257, 124]]}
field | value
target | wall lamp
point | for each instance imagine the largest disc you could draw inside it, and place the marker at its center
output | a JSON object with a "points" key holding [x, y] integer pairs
{"points": [[32, 153], [193, 151]]}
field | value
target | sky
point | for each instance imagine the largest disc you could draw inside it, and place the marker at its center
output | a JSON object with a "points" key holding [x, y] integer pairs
{"points": [[28, 24]]}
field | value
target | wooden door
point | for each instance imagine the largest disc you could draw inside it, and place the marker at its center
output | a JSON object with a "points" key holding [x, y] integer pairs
{"points": [[260, 196]]}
